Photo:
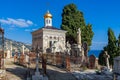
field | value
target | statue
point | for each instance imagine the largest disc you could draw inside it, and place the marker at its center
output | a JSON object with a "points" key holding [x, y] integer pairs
{"points": [[57, 47], [107, 59], [68, 47], [79, 37]]}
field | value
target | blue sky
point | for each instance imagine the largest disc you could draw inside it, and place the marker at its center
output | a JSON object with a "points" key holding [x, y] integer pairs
{"points": [[20, 17]]}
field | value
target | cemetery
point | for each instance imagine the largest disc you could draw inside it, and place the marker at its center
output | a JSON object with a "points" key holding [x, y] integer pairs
{"points": [[74, 60], [58, 53]]}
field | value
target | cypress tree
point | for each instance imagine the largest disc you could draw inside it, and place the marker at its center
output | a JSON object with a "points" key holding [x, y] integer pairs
{"points": [[72, 19]]}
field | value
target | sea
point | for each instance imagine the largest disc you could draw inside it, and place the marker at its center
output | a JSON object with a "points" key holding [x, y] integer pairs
{"points": [[95, 52]]}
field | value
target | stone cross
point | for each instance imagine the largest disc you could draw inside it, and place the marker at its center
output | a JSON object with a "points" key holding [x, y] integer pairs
{"points": [[107, 59], [79, 36], [23, 49]]}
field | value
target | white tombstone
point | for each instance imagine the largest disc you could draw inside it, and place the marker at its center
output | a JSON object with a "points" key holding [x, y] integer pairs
{"points": [[8, 54], [26, 58]]}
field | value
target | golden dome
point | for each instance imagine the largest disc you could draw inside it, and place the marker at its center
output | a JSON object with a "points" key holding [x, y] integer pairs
{"points": [[48, 15]]}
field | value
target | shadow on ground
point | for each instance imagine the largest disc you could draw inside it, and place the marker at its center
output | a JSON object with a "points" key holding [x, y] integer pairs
{"points": [[16, 73], [56, 75]]}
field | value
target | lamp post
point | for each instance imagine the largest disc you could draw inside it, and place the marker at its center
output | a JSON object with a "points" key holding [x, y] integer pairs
{"points": [[2, 48]]}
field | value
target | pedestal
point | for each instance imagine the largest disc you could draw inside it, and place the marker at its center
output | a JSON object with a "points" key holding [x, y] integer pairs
{"points": [[37, 73], [37, 76]]}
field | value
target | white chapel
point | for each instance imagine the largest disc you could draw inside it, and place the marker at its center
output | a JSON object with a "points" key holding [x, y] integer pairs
{"points": [[49, 38]]}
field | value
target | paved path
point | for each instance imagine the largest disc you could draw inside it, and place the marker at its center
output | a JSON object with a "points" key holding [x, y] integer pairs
{"points": [[14, 72]]}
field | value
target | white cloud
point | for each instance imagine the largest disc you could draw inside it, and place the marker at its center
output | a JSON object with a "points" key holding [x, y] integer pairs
{"points": [[17, 22], [29, 22]]}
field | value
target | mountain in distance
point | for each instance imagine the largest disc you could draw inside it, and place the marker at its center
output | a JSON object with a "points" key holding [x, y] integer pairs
{"points": [[16, 45]]}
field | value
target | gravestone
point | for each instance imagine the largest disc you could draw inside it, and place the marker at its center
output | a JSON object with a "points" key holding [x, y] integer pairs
{"points": [[49, 58], [37, 75], [32, 57], [16, 57], [67, 63], [22, 59], [8, 54], [92, 61], [58, 60], [27, 58]]}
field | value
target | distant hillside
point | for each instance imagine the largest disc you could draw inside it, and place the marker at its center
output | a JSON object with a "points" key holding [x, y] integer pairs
{"points": [[16, 45]]}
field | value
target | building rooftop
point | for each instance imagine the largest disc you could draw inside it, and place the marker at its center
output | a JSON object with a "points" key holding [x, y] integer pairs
{"points": [[51, 27]]}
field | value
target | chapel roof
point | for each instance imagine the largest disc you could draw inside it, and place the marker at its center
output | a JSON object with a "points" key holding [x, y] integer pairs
{"points": [[51, 27]]}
